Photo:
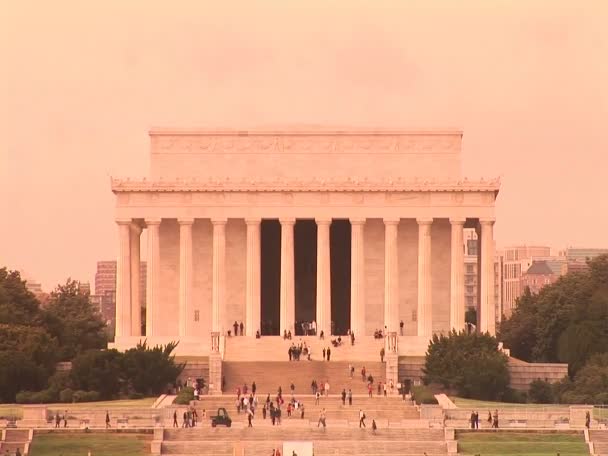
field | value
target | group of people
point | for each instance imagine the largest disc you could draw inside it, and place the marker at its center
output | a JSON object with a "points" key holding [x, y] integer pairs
{"points": [[238, 327], [296, 351], [248, 403], [59, 419], [189, 417], [492, 419]]}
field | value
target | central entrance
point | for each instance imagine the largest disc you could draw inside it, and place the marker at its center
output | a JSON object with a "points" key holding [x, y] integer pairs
{"points": [[305, 267]]}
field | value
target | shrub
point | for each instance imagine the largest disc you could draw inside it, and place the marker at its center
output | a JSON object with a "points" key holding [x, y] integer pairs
{"points": [[540, 392], [86, 396], [185, 395], [468, 363], [515, 396], [66, 395], [423, 395], [24, 397], [46, 396]]}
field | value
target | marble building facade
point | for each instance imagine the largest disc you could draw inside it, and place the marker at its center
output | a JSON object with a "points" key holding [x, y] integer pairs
{"points": [[208, 193]]}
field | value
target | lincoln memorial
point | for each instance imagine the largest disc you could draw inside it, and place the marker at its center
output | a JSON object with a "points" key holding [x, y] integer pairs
{"points": [[350, 229]]}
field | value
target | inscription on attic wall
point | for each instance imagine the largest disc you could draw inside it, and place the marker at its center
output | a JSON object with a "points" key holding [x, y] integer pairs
{"points": [[337, 199], [291, 157]]}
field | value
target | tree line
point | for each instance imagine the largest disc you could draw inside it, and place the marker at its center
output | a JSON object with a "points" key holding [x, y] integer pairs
{"points": [[33, 339]]}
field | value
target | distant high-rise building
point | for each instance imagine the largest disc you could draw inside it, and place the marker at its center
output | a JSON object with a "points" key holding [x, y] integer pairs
{"points": [[105, 288]]}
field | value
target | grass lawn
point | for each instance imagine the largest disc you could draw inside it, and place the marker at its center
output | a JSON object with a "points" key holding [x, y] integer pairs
{"points": [[80, 444], [15, 409], [521, 443]]}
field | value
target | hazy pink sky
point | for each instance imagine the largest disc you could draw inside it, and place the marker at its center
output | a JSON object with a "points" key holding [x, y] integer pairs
{"points": [[80, 85]]}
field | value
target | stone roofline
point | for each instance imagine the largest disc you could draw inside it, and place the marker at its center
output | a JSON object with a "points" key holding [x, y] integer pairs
{"points": [[315, 185], [299, 131]]}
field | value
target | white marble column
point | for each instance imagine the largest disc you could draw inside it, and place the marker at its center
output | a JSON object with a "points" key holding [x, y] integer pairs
{"points": [[287, 310], [135, 280], [457, 275], [185, 275], [123, 280], [488, 309], [357, 277], [252, 304], [323, 277], [425, 299], [219, 274], [391, 275], [153, 279]]}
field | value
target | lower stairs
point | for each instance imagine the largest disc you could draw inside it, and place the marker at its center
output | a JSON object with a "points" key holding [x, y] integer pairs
{"points": [[599, 438], [326, 442], [13, 439]]}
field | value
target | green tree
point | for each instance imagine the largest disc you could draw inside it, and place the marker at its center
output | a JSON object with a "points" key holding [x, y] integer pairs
{"points": [[565, 322], [149, 370], [71, 318], [18, 372], [36, 343], [98, 370], [518, 333], [17, 304], [470, 364]]}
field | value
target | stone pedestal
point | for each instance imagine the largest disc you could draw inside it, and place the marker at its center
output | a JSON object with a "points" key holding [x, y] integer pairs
{"points": [[34, 416], [392, 370], [215, 374]]}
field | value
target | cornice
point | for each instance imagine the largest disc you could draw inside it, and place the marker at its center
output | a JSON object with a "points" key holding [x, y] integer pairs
{"points": [[315, 185], [303, 131]]}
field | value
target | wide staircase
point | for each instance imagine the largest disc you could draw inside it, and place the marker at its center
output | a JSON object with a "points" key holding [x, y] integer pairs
{"points": [[384, 410], [326, 442], [269, 375], [600, 441], [13, 439], [275, 348]]}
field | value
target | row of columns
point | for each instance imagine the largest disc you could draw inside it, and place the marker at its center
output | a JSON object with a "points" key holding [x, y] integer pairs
{"points": [[128, 321]]}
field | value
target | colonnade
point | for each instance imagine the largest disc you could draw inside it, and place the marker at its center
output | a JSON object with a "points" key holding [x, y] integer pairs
{"points": [[127, 294]]}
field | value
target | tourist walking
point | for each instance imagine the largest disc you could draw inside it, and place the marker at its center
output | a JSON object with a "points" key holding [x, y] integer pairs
{"points": [[495, 420], [401, 327], [328, 353], [321, 418], [361, 418], [350, 397], [374, 426], [382, 353], [587, 420], [175, 419], [108, 425], [249, 416], [343, 397], [324, 354]]}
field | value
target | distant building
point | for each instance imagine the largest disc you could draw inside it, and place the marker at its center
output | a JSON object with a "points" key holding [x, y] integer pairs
{"points": [[515, 261], [538, 275], [84, 287], [105, 289], [577, 258], [471, 274]]}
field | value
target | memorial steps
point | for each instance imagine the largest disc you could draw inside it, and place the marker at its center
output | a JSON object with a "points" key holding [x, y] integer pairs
{"points": [[384, 410], [13, 439], [600, 442], [269, 375], [329, 441], [275, 348]]}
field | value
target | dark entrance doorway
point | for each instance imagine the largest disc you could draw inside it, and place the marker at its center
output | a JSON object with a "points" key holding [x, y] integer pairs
{"points": [[339, 237], [305, 258], [270, 287]]}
